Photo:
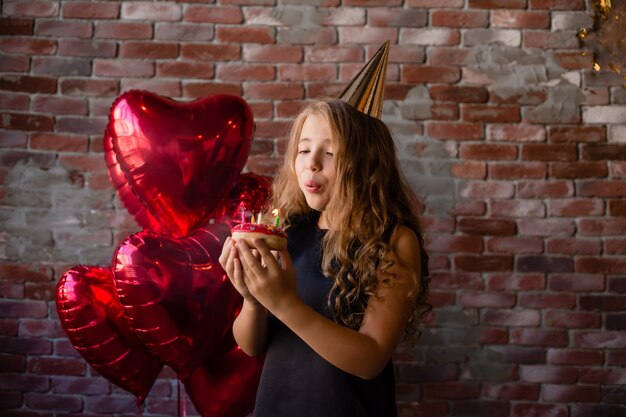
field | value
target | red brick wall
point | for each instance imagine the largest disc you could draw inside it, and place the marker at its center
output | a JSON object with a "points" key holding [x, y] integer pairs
{"points": [[518, 149]]}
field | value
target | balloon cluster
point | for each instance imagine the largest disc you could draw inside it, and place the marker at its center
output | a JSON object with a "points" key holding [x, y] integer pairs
{"points": [[165, 300], [607, 38]]}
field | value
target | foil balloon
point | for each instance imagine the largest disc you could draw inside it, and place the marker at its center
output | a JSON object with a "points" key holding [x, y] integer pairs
{"points": [[250, 192], [175, 294], [93, 320], [179, 160], [226, 383]]}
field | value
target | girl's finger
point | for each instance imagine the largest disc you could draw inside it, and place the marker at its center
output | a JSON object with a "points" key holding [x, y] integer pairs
{"points": [[249, 261]]}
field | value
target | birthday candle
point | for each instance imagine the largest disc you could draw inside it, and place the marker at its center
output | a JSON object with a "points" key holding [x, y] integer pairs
{"points": [[275, 213], [243, 214], [258, 220]]}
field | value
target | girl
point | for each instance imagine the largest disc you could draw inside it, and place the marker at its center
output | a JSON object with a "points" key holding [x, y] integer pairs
{"points": [[330, 310]]}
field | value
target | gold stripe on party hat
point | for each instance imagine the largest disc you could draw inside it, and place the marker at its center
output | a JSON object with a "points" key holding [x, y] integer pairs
{"points": [[365, 91]]}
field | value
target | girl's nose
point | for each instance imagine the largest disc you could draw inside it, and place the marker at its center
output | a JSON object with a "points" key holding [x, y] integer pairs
{"points": [[313, 163]]}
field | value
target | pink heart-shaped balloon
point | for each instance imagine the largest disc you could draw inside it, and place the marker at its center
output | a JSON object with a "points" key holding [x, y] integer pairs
{"points": [[179, 160], [175, 294], [93, 320]]}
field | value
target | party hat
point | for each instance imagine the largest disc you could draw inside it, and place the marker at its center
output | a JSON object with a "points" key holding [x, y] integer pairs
{"points": [[365, 91]]}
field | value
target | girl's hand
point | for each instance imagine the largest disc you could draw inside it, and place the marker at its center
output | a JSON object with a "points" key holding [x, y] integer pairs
{"points": [[271, 282], [231, 263]]}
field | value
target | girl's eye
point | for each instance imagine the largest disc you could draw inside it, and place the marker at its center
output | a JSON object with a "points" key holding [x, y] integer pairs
{"points": [[330, 154], [303, 151]]}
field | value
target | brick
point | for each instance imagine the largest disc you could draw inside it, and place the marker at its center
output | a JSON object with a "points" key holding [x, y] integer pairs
{"points": [[614, 394], [466, 94], [615, 321], [616, 357], [61, 66], [201, 89], [428, 37], [430, 74], [546, 227], [123, 30], [575, 357], [11, 363], [544, 264], [511, 391], [602, 227], [80, 125], [64, 29], [386, 16], [488, 152], [578, 170], [516, 133], [176, 31], [14, 63], [456, 280], [79, 385], [558, 4], [595, 152], [455, 131], [27, 122], [274, 90], [57, 403], [573, 60], [568, 393], [490, 114], [548, 374], [211, 53], [603, 376], [311, 35], [59, 105], [464, 19], [331, 53], [508, 37], [548, 152], [469, 170], [144, 10], [487, 299], [243, 34], [272, 129], [589, 134], [574, 246], [617, 285], [213, 14], [604, 114], [615, 246], [483, 263], [307, 72], [520, 19], [14, 101], [453, 244], [60, 143], [89, 88], [617, 169], [168, 88], [515, 171], [432, 224], [600, 339], [490, 227], [572, 319], [575, 207], [544, 189], [451, 390], [91, 10], [447, 56], [123, 68], [514, 245], [272, 53], [617, 133], [549, 40], [606, 265], [16, 27], [602, 302], [517, 208], [148, 50], [12, 139], [28, 46], [497, 4], [487, 189], [185, 69], [516, 281], [538, 410], [33, 9], [507, 317]]}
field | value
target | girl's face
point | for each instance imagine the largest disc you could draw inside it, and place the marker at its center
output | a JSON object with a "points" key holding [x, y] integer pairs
{"points": [[315, 164]]}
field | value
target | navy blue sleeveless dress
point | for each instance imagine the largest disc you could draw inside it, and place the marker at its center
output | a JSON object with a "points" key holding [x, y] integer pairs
{"points": [[296, 381]]}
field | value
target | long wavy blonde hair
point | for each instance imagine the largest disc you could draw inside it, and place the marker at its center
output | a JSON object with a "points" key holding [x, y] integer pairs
{"points": [[369, 200]]}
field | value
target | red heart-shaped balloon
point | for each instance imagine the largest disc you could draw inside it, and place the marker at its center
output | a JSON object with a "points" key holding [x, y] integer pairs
{"points": [[226, 383], [175, 294], [93, 320], [178, 159]]}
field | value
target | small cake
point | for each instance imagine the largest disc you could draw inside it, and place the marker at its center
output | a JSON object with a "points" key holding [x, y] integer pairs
{"points": [[274, 237]]}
